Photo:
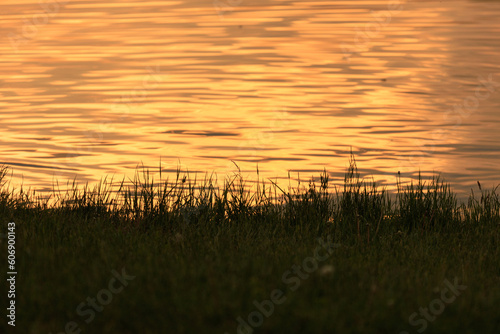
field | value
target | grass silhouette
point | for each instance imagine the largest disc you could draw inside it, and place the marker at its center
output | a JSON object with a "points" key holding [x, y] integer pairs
{"points": [[204, 252]]}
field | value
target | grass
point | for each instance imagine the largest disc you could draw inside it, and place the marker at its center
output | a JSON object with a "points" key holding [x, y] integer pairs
{"points": [[203, 254]]}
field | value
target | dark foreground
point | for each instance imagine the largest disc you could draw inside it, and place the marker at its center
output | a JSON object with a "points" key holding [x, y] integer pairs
{"points": [[172, 258]]}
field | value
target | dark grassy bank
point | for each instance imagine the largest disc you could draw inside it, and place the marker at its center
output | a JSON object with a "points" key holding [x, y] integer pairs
{"points": [[203, 256]]}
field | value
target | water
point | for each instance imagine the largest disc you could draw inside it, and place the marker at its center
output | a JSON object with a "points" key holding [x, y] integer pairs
{"points": [[91, 88]]}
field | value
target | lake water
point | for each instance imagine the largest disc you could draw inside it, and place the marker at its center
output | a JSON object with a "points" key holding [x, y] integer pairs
{"points": [[91, 88]]}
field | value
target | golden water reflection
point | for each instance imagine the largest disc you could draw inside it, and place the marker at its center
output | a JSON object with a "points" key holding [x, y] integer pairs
{"points": [[288, 85]]}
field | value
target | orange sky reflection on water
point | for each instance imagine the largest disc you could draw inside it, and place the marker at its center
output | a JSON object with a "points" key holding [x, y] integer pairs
{"points": [[287, 85]]}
